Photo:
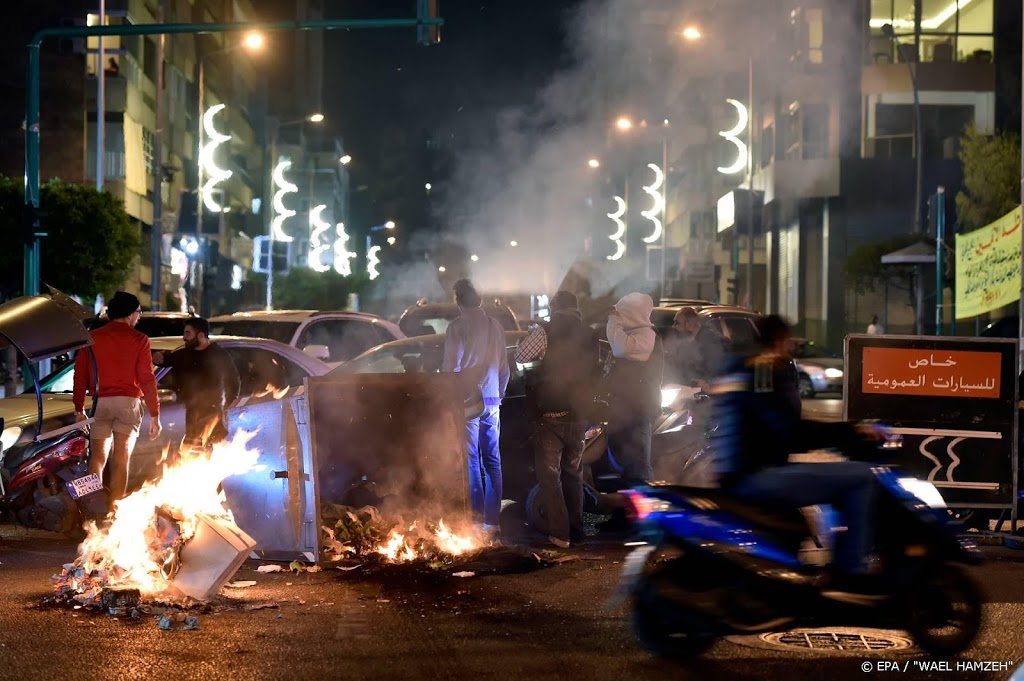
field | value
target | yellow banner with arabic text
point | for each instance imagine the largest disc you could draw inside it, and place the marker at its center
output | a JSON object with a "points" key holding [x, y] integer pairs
{"points": [[988, 266]]}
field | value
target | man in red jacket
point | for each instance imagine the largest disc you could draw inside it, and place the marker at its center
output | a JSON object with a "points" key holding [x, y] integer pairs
{"points": [[125, 368]]}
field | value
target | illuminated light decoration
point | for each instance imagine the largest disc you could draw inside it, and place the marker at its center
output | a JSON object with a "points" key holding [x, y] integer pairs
{"points": [[318, 247], [342, 256], [931, 24], [282, 213], [372, 260], [216, 175], [616, 217], [657, 203], [730, 135]]}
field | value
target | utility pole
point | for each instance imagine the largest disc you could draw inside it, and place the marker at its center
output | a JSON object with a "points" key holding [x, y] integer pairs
{"points": [[101, 102], [156, 233]]}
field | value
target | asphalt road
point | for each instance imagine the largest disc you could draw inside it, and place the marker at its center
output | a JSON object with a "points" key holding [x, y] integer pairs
{"points": [[823, 408], [550, 623]]}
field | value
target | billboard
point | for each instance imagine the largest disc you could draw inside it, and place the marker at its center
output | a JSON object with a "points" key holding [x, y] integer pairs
{"points": [[988, 266]]}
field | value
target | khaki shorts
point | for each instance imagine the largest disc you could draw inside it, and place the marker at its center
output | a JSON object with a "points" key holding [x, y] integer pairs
{"points": [[117, 415]]}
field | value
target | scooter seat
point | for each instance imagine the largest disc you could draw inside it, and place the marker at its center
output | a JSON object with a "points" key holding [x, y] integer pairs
{"points": [[782, 519]]}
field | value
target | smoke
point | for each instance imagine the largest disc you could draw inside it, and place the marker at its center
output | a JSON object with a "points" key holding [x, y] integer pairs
{"points": [[520, 172]]}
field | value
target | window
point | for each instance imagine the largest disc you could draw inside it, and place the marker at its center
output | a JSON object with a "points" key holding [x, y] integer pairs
{"points": [[807, 126], [260, 369], [344, 338], [147, 151], [808, 26], [951, 30], [402, 359]]}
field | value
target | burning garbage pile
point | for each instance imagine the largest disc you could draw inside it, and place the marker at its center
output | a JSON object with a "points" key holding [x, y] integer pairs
{"points": [[173, 539], [365, 534]]}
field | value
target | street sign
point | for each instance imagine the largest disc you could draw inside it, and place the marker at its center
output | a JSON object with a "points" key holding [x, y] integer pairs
{"points": [[954, 401]]}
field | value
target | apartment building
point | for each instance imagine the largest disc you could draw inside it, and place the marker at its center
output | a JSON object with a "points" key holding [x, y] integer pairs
{"points": [[829, 140]]}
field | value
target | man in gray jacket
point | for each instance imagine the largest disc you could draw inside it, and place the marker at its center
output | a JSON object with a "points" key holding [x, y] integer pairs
{"points": [[474, 348]]}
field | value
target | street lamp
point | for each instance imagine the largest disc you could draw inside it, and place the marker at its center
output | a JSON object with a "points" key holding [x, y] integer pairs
{"points": [[692, 33], [660, 206], [890, 33], [370, 253], [594, 163], [345, 160], [279, 169]]}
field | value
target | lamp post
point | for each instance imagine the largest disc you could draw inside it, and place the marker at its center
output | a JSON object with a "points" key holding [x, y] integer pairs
{"points": [[625, 124], [369, 235], [918, 173], [276, 126]]}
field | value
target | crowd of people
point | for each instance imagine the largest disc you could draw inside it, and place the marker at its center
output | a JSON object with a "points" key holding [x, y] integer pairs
{"points": [[755, 404]]}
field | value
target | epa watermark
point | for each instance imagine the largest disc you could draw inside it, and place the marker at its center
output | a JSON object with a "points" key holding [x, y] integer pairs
{"points": [[957, 666]]}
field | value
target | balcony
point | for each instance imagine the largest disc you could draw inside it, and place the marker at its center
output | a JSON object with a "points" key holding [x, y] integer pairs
{"points": [[931, 77], [799, 179], [115, 94]]}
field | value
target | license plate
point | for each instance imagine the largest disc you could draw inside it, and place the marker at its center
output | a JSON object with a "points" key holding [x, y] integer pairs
{"points": [[633, 568], [80, 487]]}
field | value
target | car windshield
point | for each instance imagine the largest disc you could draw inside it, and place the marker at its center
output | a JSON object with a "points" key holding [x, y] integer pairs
{"points": [[63, 379], [282, 331], [395, 359]]}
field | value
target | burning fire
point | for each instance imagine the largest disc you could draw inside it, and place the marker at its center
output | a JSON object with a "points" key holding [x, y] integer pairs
{"points": [[398, 548], [138, 549]]}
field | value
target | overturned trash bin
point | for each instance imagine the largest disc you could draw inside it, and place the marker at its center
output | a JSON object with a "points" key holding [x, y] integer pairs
{"points": [[211, 557]]}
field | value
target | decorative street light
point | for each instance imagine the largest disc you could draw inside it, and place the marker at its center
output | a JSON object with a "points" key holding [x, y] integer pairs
{"points": [[372, 259]]}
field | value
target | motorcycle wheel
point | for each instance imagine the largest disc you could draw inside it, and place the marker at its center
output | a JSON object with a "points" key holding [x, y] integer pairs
{"points": [[665, 630], [944, 612]]}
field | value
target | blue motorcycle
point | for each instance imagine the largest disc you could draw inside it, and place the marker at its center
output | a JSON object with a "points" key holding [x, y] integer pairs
{"points": [[708, 565]]}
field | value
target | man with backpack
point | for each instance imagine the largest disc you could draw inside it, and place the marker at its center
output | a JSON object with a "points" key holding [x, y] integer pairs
{"points": [[562, 392]]}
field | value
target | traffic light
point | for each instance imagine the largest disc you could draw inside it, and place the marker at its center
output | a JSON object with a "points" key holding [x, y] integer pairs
{"points": [[429, 34]]}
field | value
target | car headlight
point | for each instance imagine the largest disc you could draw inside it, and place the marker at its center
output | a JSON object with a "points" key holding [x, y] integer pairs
{"points": [[668, 396], [9, 437], [923, 490], [834, 373]]}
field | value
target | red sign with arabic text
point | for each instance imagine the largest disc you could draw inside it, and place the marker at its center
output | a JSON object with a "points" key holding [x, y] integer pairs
{"points": [[945, 373]]}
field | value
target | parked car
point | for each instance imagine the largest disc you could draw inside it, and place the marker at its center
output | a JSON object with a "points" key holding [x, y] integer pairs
{"points": [[737, 324], [425, 318], [263, 367], [152, 324], [332, 336], [821, 371]]}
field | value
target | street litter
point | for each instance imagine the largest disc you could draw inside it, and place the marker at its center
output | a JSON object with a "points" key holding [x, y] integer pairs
{"points": [[269, 568], [463, 574], [179, 621], [241, 584], [174, 539]]}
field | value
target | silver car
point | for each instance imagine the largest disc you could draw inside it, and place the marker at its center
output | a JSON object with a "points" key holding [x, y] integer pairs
{"points": [[265, 368], [820, 370]]}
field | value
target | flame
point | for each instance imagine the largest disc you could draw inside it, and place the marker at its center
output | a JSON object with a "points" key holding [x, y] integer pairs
{"points": [[140, 542], [401, 547], [271, 389]]}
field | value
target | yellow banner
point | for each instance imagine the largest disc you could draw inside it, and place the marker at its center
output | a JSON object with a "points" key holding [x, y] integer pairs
{"points": [[988, 266]]}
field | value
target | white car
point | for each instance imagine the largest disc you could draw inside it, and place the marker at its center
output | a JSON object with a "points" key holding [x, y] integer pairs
{"points": [[265, 368], [332, 336]]}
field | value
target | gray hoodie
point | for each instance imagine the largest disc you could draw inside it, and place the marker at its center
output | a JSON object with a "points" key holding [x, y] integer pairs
{"points": [[630, 332], [474, 347]]}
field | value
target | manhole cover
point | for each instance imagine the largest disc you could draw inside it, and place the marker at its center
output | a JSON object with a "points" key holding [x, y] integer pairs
{"points": [[833, 640]]}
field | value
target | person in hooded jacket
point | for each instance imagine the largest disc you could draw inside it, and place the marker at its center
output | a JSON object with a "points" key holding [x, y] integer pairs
{"points": [[561, 391], [634, 380]]}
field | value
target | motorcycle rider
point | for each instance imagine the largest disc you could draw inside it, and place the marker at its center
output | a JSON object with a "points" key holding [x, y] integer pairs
{"points": [[757, 406]]}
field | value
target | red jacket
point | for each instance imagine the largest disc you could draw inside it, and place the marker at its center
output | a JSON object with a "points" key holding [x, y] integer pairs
{"points": [[125, 366]]}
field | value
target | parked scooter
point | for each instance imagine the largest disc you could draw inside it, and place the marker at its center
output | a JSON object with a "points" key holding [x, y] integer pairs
{"points": [[44, 478], [709, 565]]}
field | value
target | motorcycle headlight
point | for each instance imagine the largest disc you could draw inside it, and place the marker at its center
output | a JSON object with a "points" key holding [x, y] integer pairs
{"points": [[834, 373], [9, 437], [923, 490], [668, 396]]}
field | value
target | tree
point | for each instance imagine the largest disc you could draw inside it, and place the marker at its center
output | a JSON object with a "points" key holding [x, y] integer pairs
{"points": [[306, 289], [991, 188], [90, 246]]}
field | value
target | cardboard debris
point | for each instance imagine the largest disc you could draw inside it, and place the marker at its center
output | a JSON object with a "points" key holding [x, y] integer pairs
{"points": [[464, 574], [269, 568], [210, 558], [241, 584]]}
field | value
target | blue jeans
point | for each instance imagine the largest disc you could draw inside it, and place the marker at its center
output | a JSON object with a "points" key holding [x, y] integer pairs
{"points": [[848, 485], [484, 464]]}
